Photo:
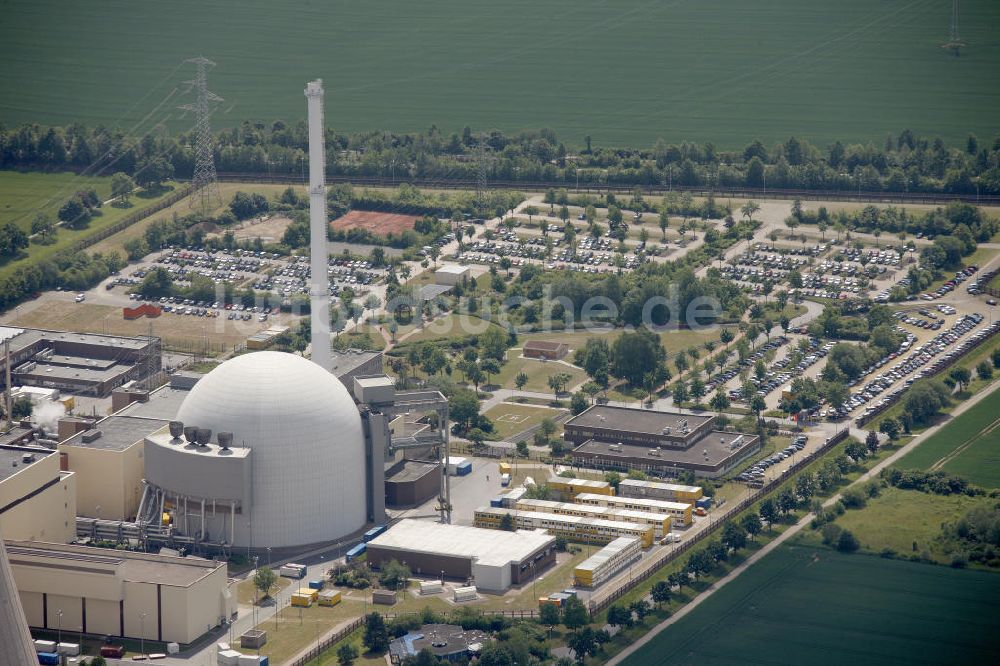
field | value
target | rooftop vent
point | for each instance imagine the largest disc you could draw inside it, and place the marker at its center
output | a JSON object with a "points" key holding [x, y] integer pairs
{"points": [[225, 440], [190, 434], [28, 458], [91, 436], [204, 436], [176, 429]]}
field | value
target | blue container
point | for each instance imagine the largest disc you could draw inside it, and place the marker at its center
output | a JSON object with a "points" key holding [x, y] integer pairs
{"points": [[265, 661], [463, 469], [496, 502], [49, 658], [703, 502], [315, 585]]}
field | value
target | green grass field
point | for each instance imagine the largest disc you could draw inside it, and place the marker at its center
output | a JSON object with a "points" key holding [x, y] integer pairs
{"points": [[509, 419], [22, 195], [968, 446], [803, 605], [630, 71]]}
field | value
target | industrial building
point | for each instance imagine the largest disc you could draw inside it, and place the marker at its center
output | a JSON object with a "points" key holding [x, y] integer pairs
{"points": [[658, 443], [606, 562], [572, 528], [451, 274], [83, 363], [670, 492], [447, 642], [107, 458], [37, 498], [492, 559], [660, 522], [119, 593], [568, 489], [679, 512], [353, 363], [411, 482]]}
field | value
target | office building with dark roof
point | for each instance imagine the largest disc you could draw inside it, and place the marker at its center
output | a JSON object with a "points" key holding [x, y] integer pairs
{"points": [[663, 444]]}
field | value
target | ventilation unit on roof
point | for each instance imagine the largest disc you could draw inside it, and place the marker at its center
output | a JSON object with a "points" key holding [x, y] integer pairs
{"points": [[28, 458], [176, 430], [191, 434], [91, 436], [204, 436], [225, 440]]}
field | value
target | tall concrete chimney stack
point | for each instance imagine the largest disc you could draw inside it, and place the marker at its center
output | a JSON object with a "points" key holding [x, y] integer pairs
{"points": [[319, 287]]}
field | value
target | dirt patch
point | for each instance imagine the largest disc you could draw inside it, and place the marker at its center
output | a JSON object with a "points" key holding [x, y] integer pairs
{"points": [[268, 230], [375, 222]]}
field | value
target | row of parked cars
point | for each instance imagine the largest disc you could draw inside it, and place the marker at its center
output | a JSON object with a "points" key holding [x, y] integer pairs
{"points": [[946, 348], [960, 277], [754, 476], [727, 374]]}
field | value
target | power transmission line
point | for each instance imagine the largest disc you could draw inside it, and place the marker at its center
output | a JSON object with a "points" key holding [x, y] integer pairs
{"points": [[955, 42], [204, 184]]}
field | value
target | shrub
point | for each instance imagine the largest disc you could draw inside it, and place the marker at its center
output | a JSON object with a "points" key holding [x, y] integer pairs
{"points": [[831, 532], [847, 543]]}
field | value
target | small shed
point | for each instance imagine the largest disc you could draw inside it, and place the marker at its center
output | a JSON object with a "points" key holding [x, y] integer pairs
{"points": [[545, 350]]}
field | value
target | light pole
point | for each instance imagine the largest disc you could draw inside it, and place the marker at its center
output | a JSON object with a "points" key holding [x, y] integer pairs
{"points": [[268, 557], [142, 633], [59, 631]]}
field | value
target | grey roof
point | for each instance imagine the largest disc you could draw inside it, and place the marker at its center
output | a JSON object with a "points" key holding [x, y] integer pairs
{"points": [[629, 419], [411, 470], [346, 361], [45, 371], [163, 403], [431, 291], [117, 432], [695, 454], [11, 459], [20, 338]]}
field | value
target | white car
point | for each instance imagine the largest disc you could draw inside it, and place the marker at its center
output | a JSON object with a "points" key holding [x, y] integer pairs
{"points": [[80, 298]]}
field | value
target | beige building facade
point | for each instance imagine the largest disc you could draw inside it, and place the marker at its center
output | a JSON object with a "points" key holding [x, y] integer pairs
{"points": [[37, 499], [119, 593]]}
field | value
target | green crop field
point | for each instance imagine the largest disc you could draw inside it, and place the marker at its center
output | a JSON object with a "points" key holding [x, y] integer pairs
{"points": [[968, 446], [625, 72], [803, 605]]}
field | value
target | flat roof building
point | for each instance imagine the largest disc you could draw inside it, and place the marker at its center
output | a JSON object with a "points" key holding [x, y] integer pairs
{"points": [[448, 642], [451, 274], [574, 528], [102, 591], [656, 490], [608, 561], [660, 443], [79, 362], [493, 559]]}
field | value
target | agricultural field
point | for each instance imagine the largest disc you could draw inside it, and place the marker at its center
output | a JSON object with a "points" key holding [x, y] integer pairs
{"points": [[968, 446], [805, 605], [823, 71]]}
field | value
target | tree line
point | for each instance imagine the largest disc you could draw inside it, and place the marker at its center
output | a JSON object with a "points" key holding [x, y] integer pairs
{"points": [[906, 162]]}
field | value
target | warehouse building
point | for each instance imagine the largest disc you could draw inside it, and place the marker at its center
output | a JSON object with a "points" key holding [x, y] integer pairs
{"points": [[120, 593], [608, 561], [37, 498], [679, 512], [572, 528], [352, 363], [658, 443], [670, 492], [660, 522], [494, 560], [84, 363], [411, 482]]}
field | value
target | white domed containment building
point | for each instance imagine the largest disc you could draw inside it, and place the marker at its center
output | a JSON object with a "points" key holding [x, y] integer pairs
{"points": [[268, 450]]}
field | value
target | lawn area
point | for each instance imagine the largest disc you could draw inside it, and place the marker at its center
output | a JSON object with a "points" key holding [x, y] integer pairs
{"points": [[365, 335], [246, 593], [510, 419], [899, 518], [808, 605], [204, 335], [969, 445], [846, 54], [450, 327], [538, 373], [22, 195]]}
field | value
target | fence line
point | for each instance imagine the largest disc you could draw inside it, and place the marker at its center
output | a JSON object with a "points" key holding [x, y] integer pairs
{"points": [[129, 220], [746, 502]]}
